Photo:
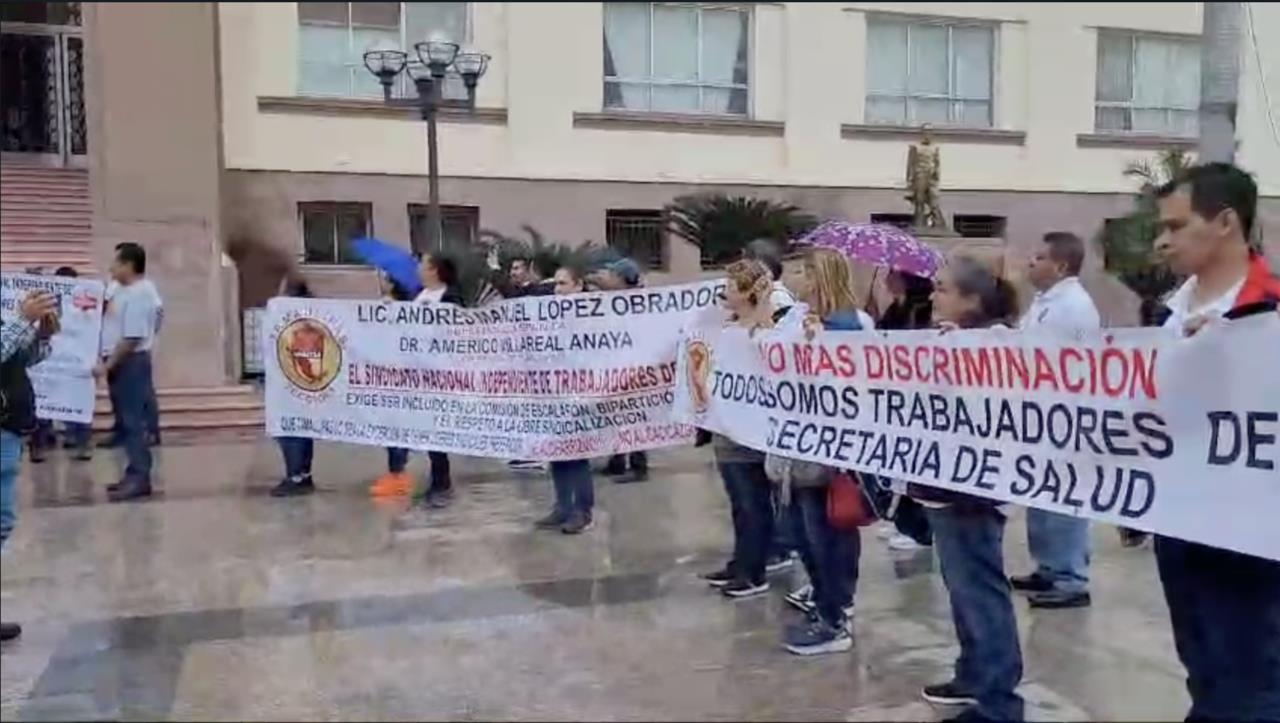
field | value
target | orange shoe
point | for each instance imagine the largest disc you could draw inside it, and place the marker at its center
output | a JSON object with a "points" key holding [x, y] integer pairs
{"points": [[391, 485]]}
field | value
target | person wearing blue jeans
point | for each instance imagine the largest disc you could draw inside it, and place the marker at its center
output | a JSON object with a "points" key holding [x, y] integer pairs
{"points": [[751, 509], [968, 533], [1058, 543], [969, 538], [1060, 546], [10, 463], [298, 453], [24, 342], [131, 379], [831, 559], [575, 497], [1225, 610], [128, 330]]}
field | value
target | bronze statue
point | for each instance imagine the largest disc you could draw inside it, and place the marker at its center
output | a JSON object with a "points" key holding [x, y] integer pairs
{"points": [[923, 169]]}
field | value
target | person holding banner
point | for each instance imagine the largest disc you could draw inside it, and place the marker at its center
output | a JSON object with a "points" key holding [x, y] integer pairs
{"points": [[1224, 605], [824, 283], [24, 342], [1059, 543], [439, 276], [571, 479], [297, 452], [747, 299], [396, 482], [968, 534]]}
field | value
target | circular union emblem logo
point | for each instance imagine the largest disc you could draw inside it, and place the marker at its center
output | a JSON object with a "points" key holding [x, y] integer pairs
{"points": [[699, 370], [308, 354]]}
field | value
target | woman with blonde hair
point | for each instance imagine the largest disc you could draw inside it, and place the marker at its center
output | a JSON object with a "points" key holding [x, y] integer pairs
{"points": [[823, 281], [747, 298]]}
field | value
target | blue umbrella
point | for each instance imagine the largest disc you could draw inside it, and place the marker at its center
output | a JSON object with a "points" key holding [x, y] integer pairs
{"points": [[398, 264]]}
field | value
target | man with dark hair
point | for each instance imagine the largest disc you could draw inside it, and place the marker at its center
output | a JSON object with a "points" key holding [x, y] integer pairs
{"points": [[523, 278], [1059, 543], [1224, 605], [153, 407], [128, 332], [75, 434]]}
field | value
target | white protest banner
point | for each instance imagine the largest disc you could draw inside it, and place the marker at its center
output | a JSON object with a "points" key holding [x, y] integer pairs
{"points": [[1135, 427], [63, 382], [543, 378]]}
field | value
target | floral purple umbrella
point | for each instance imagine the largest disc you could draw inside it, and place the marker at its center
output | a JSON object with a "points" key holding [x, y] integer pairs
{"points": [[877, 245]]}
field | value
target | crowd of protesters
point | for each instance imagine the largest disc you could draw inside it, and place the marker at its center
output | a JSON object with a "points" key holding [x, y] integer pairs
{"points": [[1224, 605]]}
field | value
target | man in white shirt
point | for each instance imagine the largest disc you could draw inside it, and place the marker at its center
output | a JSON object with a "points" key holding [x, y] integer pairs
{"points": [[128, 332], [1059, 543], [153, 409], [1224, 605]]}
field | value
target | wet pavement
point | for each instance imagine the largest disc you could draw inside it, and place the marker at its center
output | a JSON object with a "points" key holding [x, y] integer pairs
{"points": [[215, 601]]}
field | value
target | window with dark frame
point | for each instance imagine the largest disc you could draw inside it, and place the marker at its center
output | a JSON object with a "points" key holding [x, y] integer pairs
{"points": [[459, 225], [328, 227], [637, 234], [979, 225]]}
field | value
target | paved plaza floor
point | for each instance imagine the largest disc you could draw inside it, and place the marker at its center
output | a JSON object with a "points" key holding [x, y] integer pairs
{"points": [[216, 601]]}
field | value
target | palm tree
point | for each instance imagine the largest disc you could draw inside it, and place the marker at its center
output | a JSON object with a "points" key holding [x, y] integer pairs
{"points": [[479, 280], [1128, 242], [547, 255], [721, 225]]}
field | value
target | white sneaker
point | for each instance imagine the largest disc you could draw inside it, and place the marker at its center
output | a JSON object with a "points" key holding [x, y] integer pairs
{"points": [[886, 530], [904, 543]]}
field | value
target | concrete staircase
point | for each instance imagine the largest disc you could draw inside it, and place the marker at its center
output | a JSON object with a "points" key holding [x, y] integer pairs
{"points": [[199, 414], [46, 218]]}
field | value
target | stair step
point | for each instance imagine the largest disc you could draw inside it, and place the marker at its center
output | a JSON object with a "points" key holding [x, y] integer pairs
{"points": [[27, 201], [19, 218], [34, 231]]}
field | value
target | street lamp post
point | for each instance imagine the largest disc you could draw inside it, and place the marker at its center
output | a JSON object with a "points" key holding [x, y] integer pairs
{"points": [[427, 71]]}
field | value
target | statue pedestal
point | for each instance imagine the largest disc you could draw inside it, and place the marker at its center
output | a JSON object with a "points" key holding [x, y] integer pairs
{"points": [[992, 252]]}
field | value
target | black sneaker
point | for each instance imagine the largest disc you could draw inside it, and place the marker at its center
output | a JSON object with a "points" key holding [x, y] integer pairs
{"points": [[439, 499], [578, 523], [130, 490], [948, 694], [721, 577], [9, 631], [35, 454], [83, 454], [1031, 583], [614, 469], [1054, 600], [553, 521], [293, 488], [742, 589]]}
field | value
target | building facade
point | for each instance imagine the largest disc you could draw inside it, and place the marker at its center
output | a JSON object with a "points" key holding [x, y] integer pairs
{"points": [[206, 120]]}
